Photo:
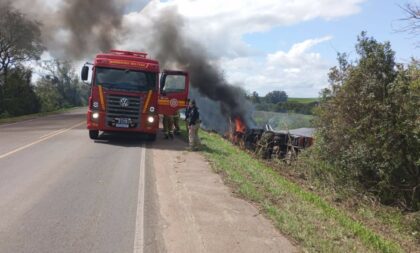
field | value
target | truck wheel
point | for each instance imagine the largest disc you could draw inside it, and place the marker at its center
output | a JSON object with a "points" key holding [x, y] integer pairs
{"points": [[93, 134], [151, 137]]}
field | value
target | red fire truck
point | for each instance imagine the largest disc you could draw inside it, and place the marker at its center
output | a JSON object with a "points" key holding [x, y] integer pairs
{"points": [[128, 92]]}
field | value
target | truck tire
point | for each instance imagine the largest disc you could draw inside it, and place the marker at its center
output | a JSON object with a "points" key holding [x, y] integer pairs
{"points": [[93, 134], [151, 137]]}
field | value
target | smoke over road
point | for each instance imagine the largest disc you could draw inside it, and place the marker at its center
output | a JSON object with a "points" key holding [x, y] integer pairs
{"points": [[73, 29], [78, 29]]}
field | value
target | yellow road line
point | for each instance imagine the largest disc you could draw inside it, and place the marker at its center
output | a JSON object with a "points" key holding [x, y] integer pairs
{"points": [[48, 134], [40, 140], [147, 101]]}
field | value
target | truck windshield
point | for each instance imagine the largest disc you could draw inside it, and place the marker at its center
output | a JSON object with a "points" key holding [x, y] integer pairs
{"points": [[128, 80]]}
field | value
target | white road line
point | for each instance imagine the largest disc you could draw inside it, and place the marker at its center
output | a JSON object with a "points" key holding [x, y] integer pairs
{"points": [[139, 232], [40, 140]]}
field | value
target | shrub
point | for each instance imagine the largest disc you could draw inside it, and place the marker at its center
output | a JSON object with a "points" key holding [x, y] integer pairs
{"points": [[369, 122]]}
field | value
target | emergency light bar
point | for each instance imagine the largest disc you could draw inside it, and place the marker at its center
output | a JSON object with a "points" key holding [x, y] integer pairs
{"points": [[120, 52]]}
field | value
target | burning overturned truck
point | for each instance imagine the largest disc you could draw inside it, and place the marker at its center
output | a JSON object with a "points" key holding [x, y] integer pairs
{"points": [[268, 143], [231, 115]]}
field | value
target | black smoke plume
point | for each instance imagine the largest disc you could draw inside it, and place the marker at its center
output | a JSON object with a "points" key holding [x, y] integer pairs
{"points": [[172, 46], [93, 25], [75, 29]]}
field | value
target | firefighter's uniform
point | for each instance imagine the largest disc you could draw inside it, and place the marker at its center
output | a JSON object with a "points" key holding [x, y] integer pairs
{"points": [[168, 126], [176, 123]]}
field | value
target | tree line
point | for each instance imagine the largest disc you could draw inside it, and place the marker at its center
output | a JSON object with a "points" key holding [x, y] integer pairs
{"points": [[368, 122], [57, 85], [277, 101]]}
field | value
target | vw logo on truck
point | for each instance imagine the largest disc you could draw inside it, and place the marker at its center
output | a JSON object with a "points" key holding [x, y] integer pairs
{"points": [[124, 102]]}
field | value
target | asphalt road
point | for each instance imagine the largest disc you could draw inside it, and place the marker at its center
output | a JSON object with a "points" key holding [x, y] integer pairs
{"points": [[62, 192]]}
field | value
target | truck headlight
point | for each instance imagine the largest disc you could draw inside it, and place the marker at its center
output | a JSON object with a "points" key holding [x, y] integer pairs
{"points": [[152, 109], [95, 105], [95, 115], [150, 119]]}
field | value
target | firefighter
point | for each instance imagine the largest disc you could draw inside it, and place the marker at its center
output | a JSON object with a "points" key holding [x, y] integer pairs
{"points": [[193, 125], [176, 123], [168, 126]]}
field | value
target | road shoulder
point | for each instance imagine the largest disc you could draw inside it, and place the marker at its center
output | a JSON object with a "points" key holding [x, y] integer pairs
{"points": [[200, 214]]}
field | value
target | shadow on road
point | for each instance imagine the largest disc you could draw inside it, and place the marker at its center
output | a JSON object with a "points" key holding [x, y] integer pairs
{"points": [[137, 140], [177, 143], [122, 139]]}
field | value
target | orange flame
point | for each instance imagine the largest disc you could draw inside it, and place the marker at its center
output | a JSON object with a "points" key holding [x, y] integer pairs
{"points": [[239, 126]]}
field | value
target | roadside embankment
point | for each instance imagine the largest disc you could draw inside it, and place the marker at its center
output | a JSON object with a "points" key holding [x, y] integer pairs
{"points": [[316, 224]]}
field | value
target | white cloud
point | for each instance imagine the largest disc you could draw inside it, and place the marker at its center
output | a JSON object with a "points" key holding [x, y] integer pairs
{"points": [[298, 71], [297, 55], [220, 26]]}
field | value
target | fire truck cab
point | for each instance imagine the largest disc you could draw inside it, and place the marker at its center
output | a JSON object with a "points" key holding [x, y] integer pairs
{"points": [[128, 92]]}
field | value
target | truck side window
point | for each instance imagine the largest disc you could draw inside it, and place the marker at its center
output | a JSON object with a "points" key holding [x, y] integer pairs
{"points": [[174, 83]]}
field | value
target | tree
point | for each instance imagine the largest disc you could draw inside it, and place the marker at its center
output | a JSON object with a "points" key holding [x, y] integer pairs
{"points": [[275, 97], [19, 96], [255, 98], [48, 94], [60, 87], [412, 19], [20, 39], [368, 122]]}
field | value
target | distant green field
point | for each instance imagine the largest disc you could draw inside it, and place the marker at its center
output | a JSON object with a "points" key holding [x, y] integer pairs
{"points": [[283, 121], [302, 100]]}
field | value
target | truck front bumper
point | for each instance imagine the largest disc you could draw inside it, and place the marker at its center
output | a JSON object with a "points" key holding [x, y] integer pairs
{"points": [[99, 123]]}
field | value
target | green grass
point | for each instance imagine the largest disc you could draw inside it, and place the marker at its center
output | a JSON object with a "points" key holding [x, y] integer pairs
{"points": [[315, 224], [349, 196], [302, 100], [283, 121], [9, 120]]}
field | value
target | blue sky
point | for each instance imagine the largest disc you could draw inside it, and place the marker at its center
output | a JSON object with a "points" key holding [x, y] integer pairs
{"points": [[379, 18]]}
